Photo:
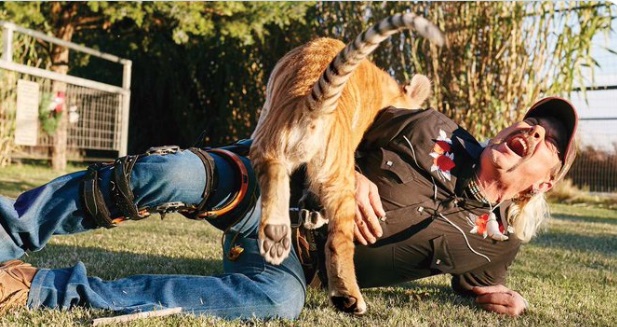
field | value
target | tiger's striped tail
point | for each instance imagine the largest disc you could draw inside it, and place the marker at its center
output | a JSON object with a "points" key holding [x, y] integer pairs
{"points": [[329, 87]]}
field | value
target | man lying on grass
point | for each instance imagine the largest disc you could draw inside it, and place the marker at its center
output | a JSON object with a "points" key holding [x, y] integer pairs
{"points": [[431, 200]]}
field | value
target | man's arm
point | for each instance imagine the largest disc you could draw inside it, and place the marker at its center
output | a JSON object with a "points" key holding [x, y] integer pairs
{"points": [[368, 211], [494, 296], [500, 299]]}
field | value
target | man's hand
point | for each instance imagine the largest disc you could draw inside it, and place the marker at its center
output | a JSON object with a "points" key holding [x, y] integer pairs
{"points": [[368, 212], [500, 299]]}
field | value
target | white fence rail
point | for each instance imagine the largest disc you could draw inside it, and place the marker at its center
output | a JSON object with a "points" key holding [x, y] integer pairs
{"points": [[99, 112]]}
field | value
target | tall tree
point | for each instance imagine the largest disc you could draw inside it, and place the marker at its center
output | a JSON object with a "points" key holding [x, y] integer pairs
{"points": [[501, 56], [158, 32], [504, 56], [204, 65], [63, 20]]}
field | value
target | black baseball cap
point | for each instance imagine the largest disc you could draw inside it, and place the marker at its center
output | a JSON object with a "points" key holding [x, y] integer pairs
{"points": [[562, 110]]}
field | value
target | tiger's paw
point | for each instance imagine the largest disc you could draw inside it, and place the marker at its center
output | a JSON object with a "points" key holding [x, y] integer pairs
{"points": [[275, 242], [349, 304], [312, 219]]}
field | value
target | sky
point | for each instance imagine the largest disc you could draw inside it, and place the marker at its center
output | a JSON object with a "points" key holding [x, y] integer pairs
{"points": [[598, 115]]}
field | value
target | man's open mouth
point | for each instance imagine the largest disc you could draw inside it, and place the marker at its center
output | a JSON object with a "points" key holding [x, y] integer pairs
{"points": [[518, 145]]}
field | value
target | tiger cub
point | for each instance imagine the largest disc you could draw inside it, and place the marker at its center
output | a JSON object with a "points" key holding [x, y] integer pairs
{"points": [[320, 99]]}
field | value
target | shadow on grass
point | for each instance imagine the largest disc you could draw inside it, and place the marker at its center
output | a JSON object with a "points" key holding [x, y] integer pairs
{"points": [[411, 292], [410, 295], [13, 189]]}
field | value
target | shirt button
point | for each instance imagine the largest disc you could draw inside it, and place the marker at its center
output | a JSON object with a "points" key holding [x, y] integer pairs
{"points": [[420, 209]]}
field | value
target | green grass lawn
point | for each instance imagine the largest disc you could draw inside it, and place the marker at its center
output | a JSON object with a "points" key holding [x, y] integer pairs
{"points": [[568, 274]]}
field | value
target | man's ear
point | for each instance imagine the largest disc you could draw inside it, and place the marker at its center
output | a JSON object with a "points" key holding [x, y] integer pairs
{"points": [[545, 186]]}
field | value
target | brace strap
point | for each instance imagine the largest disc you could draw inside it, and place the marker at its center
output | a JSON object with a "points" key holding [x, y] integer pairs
{"points": [[243, 181], [122, 194], [93, 198], [211, 179], [121, 191]]}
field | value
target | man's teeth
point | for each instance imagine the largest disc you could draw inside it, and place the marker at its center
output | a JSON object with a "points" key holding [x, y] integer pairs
{"points": [[523, 146]]}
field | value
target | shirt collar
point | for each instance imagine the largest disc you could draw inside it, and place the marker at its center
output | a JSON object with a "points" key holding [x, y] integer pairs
{"points": [[469, 144], [473, 149]]}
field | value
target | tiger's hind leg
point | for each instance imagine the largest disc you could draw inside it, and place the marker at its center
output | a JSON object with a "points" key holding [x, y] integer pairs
{"points": [[274, 229]]}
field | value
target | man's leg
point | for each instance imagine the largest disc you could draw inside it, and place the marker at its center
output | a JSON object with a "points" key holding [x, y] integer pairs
{"points": [[29, 222], [249, 288], [154, 182]]}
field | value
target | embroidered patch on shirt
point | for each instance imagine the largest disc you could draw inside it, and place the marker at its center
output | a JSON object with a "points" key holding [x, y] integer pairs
{"points": [[487, 225], [443, 158]]}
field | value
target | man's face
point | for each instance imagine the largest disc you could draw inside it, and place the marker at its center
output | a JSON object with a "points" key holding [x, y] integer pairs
{"points": [[527, 153]]}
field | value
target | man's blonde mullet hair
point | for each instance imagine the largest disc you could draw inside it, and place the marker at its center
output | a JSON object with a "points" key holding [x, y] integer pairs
{"points": [[528, 215]]}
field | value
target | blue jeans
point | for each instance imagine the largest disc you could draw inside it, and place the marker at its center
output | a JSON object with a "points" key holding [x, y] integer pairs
{"points": [[249, 287]]}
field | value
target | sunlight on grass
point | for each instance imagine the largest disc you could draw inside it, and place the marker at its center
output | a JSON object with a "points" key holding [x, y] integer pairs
{"points": [[568, 274], [17, 178]]}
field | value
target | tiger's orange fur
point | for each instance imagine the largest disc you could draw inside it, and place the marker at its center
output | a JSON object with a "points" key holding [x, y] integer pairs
{"points": [[290, 134]]}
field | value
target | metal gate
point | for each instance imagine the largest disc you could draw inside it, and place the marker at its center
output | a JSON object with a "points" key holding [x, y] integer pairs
{"points": [[98, 112], [595, 168]]}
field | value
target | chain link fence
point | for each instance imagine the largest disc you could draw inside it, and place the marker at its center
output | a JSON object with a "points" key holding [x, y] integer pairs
{"points": [[31, 106], [94, 119], [595, 168]]}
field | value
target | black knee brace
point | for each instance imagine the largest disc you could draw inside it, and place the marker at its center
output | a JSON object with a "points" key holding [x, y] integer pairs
{"points": [[124, 199], [92, 198], [120, 191], [204, 210]]}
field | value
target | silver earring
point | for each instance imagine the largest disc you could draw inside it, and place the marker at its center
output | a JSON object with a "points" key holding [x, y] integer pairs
{"points": [[529, 194], [533, 192]]}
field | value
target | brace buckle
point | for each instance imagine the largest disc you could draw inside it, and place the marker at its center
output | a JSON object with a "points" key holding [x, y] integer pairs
{"points": [[163, 150], [166, 208]]}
